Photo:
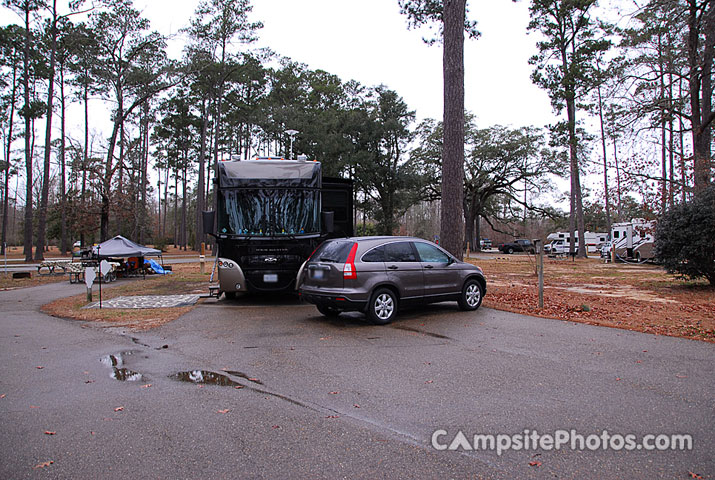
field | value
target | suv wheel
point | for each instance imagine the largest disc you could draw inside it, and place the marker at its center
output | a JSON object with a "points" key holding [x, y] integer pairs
{"points": [[510, 251], [471, 296], [328, 311], [382, 307]]}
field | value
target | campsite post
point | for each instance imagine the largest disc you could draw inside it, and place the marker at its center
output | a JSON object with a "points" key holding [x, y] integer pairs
{"points": [[540, 269], [100, 279]]}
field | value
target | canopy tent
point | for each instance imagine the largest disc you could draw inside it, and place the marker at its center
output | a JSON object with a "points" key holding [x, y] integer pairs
{"points": [[122, 247]]}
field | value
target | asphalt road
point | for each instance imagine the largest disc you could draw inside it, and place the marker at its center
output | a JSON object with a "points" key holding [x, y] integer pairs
{"points": [[339, 398]]}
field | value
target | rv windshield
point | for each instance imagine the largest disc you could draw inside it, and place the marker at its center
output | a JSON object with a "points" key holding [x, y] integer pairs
{"points": [[269, 212]]}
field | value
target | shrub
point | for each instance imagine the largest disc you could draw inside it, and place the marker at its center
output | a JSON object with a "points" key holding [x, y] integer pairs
{"points": [[685, 238]]}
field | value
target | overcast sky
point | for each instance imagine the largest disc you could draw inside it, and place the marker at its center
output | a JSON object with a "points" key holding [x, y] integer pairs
{"points": [[368, 41]]}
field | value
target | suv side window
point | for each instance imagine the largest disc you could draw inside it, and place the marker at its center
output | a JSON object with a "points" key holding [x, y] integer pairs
{"points": [[377, 254], [400, 252], [432, 254]]}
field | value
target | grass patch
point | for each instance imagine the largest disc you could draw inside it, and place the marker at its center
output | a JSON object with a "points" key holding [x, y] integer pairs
{"points": [[186, 279], [634, 297]]}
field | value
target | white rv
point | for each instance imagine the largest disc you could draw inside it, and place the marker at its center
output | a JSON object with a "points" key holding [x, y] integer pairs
{"points": [[633, 240], [558, 243]]}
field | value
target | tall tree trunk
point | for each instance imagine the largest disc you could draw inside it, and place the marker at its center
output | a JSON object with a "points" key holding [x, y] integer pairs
{"points": [[200, 199], [701, 89], [176, 208], [452, 216], [64, 241], [8, 151], [663, 125], [28, 151], [605, 159], [166, 202], [85, 158], [108, 173], [184, 236], [42, 212]]}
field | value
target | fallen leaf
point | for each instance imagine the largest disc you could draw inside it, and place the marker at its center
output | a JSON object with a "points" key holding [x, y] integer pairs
{"points": [[39, 367], [694, 475], [146, 386], [429, 381], [254, 380], [119, 409], [44, 464], [89, 381], [356, 405], [333, 416], [534, 464], [238, 387], [333, 393], [2, 396], [222, 411], [618, 379], [682, 376], [47, 432], [275, 426], [34, 406]]}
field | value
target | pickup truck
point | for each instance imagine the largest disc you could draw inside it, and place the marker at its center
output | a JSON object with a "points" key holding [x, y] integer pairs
{"points": [[520, 245]]}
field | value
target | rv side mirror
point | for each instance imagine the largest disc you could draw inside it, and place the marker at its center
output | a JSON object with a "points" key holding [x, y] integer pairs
{"points": [[328, 222], [208, 218]]}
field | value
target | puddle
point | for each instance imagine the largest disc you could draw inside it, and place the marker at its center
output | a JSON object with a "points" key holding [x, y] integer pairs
{"points": [[236, 373], [116, 360], [417, 330], [125, 375], [204, 377]]}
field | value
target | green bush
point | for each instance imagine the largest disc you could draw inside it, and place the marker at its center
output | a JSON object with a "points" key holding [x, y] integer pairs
{"points": [[685, 238]]}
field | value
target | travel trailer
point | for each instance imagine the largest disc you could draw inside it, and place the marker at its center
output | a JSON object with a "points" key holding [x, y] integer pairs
{"points": [[558, 243]]}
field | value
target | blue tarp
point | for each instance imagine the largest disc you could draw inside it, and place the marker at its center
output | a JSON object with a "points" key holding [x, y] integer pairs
{"points": [[156, 267]]}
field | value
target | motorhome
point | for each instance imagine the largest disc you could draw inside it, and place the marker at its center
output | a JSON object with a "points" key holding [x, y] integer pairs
{"points": [[633, 241], [272, 213]]}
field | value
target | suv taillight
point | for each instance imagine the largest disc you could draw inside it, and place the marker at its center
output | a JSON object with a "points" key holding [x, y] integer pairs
{"points": [[349, 267]]}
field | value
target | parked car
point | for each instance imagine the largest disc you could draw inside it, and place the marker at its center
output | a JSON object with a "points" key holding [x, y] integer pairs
{"points": [[485, 244], [520, 245], [378, 275]]}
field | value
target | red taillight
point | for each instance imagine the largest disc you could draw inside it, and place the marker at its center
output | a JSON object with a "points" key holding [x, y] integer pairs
{"points": [[349, 267]]}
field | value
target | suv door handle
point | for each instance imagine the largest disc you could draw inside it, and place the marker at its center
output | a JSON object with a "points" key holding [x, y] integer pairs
{"points": [[393, 267], [429, 266]]}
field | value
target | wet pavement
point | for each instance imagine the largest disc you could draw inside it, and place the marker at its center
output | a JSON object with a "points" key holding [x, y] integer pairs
{"points": [[271, 389]]}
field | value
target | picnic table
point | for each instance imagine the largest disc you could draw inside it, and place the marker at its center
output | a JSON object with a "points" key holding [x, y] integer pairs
{"points": [[50, 267], [76, 271]]}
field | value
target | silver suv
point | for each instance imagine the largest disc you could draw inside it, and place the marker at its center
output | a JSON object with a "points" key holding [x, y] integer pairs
{"points": [[376, 275]]}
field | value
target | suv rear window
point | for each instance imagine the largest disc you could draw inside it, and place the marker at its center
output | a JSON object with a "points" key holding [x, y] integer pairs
{"points": [[333, 252]]}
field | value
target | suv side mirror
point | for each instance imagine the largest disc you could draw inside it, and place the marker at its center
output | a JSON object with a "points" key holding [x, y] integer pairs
{"points": [[208, 218], [328, 222]]}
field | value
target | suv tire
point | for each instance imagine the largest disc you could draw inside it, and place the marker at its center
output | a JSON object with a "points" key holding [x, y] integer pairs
{"points": [[510, 251], [382, 307], [472, 294]]}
